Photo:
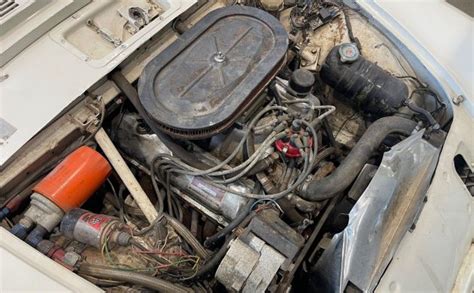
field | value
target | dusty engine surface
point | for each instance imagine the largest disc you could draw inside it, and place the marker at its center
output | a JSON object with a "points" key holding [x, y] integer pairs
{"points": [[213, 73], [225, 170]]}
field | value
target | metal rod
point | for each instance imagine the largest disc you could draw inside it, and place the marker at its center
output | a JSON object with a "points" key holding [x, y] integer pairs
{"points": [[135, 189]]}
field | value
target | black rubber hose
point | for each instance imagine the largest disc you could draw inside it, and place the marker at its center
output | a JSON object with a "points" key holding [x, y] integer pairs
{"points": [[133, 278], [215, 239], [161, 200], [344, 175], [216, 258], [330, 135], [423, 112], [350, 32]]}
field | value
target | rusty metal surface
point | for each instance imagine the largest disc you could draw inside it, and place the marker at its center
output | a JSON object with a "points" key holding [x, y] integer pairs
{"points": [[200, 84]]}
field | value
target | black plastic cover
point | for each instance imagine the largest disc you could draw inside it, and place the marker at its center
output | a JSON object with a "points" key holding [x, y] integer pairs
{"points": [[201, 83], [365, 84], [302, 81], [268, 226]]}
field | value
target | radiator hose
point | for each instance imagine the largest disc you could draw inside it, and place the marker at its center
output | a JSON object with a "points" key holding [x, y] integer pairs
{"points": [[344, 175]]}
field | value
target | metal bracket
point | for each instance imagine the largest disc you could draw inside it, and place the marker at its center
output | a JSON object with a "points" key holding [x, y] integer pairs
{"points": [[88, 119]]}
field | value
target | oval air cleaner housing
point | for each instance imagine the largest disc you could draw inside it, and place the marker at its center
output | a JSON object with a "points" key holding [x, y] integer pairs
{"points": [[201, 83]]}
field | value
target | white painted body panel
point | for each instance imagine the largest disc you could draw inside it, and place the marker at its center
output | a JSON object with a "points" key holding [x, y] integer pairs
{"points": [[430, 258], [48, 76]]}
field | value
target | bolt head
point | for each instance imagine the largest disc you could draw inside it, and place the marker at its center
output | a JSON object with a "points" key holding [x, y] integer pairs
{"points": [[458, 99]]}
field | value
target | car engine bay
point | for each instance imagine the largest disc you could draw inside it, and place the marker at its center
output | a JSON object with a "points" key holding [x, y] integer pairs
{"points": [[273, 146]]}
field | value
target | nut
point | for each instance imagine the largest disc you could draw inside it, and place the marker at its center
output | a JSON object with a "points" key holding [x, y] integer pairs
{"points": [[458, 100]]}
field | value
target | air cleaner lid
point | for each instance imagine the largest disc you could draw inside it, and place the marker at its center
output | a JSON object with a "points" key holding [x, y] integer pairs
{"points": [[205, 79]]}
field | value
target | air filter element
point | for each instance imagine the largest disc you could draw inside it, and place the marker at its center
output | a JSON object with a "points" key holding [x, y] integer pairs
{"points": [[201, 83]]}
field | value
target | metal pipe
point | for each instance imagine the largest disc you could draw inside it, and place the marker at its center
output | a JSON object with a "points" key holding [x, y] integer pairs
{"points": [[132, 277]]}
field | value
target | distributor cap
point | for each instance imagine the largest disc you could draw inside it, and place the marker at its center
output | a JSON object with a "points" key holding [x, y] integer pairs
{"points": [[295, 140]]}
